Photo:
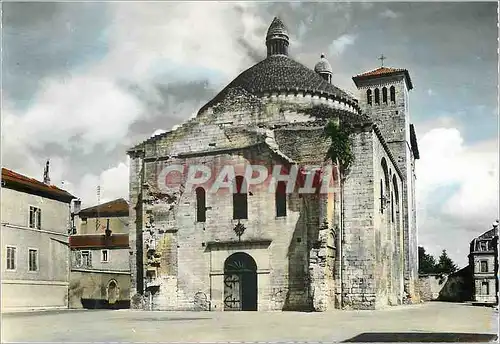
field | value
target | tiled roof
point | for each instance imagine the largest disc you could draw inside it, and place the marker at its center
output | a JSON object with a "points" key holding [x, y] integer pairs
{"points": [[277, 27], [117, 208], [16, 181], [281, 73], [384, 71], [381, 71], [99, 241]]}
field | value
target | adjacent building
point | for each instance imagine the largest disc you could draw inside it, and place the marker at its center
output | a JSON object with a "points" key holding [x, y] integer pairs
{"points": [[36, 224], [354, 246], [100, 271], [483, 259]]}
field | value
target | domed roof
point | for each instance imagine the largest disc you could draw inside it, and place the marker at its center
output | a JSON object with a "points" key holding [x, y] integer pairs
{"points": [[277, 28], [323, 66], [281, 73]]}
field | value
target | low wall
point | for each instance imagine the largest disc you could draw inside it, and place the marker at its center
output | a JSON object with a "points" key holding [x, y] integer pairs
{"points": [[89, 290], [456, 287], [430, 285], [27, 295]]}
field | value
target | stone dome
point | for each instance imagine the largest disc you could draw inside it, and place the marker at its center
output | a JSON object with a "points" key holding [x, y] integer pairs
{"points": [[279, 73], [323, 66]]}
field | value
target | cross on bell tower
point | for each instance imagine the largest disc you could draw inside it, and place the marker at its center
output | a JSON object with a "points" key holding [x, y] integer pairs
{"points": [[382, 58]]}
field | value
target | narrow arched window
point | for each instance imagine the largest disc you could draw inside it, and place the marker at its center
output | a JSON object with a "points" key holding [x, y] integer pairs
{"points": [[369, 97], [392, 207], [281, 199], [201, 206], [240, 199], [384, 95], [381, 196], [377, 96], [392, 90]]}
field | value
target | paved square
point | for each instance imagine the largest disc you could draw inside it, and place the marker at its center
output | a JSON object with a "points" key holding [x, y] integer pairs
{"points": [[142, 326]]}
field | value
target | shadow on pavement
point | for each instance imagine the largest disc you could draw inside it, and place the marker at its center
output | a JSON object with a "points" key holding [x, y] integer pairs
{"points": [[422, 337]]}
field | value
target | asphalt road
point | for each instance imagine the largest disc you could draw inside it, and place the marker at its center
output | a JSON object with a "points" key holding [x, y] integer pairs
{"points": [[429, 322]]}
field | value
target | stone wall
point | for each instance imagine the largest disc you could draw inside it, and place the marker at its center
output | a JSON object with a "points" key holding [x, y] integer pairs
{"points": [[185, 262], [301, 258], [372, 255], [394, 120], [430, 286]]}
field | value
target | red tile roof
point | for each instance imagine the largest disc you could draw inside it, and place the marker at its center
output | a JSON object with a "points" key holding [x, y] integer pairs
{"points": [[99, 241], [116, 208], [16, 181], [383, 71]]}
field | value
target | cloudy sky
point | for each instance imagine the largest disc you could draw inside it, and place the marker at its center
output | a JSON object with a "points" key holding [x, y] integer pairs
{"points": [[82, 82]]}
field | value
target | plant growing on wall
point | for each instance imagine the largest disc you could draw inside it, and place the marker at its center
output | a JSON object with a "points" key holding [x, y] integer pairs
{"points": [[340, 150]]}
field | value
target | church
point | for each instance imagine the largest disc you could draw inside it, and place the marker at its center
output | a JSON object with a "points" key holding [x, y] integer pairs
{"points": [[353, 246]]}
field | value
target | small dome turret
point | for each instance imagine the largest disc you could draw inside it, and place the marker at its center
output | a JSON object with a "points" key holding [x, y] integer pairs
{"points": [[324, 68], [277, 39]]}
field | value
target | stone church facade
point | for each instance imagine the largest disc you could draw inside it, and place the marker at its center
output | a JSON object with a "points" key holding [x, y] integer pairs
{"points": [[353, 246]]}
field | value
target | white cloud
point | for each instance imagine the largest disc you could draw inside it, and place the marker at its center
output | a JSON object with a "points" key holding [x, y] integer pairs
{"points": [[80, 112], [338, 46], [389, 14], [88, 108], [457, 190], [195, 35], [113, 183]]}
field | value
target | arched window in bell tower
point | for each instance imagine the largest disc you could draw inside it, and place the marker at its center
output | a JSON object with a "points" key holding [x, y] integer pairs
{"points": [[384, 95], [392, 90], [377, 96], [369, 97]]}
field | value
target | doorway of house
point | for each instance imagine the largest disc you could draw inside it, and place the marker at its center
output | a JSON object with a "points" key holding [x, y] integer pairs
{"points": [[112, 292], [240, 283]]}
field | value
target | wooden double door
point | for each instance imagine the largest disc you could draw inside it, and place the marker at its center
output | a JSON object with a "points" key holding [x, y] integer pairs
{"points": [[240, 283]]}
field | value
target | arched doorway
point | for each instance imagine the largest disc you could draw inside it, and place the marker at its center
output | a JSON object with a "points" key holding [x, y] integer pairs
{"points": [[112, 292], [240, 283]]}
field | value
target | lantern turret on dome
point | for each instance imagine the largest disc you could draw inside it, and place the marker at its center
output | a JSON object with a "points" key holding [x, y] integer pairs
{"points": [[324, 68], [277, 39]]}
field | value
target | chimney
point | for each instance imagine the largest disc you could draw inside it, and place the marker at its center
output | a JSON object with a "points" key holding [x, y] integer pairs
{"points": [[77, 205], [46, 178], [107, 232]]}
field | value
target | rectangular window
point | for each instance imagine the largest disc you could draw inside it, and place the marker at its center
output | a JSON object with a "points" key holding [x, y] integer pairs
{"points": [[104, 256], [280, 199], [485, 288], [86, 263], [11, 258], [78, 258], [35, 217], [484, 266], [33, 259]]}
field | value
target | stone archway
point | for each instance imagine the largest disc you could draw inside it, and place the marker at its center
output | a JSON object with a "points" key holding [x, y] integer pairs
{"points": [[240, 283], [112, 292]]}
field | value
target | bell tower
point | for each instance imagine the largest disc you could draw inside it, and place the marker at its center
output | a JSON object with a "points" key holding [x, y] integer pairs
{"points": [[383, 95]]}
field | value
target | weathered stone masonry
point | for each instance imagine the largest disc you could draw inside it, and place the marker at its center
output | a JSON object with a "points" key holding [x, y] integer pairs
{"points": [[351, 248]]}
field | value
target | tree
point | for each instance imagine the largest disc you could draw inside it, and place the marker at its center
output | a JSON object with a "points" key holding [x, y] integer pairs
{"points": [[445, 264], [426, 262]]}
